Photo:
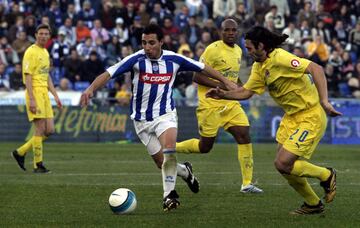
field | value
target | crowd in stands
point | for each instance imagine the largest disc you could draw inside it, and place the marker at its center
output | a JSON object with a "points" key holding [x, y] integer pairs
{"points": [[88, 36]]}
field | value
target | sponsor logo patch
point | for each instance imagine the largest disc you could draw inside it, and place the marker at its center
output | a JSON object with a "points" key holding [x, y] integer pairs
{"points": [[295, 63], [155, 78]]}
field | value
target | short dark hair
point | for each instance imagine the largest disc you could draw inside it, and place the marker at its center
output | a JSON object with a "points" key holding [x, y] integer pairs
{"points": [[154, 29], [43, 26], [271, 40]]}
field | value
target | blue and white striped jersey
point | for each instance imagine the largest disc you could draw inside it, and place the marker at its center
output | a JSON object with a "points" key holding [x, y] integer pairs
{"points": [[152, 81]]}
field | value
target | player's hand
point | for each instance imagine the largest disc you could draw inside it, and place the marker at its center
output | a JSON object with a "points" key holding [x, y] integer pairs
{"points": [[329, 109], [58, 102], [215, 93], [85, 97], [32, 106]]}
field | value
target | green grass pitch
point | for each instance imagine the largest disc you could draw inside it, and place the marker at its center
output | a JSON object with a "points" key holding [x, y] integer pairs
{"points": [[76, 193]]}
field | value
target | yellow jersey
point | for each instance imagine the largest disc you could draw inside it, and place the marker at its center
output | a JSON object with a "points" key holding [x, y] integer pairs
{"points": [[36, 62], [227, 61], [284, 75]]}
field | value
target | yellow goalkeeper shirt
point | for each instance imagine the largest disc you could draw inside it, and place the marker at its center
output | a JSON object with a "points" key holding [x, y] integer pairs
{"points": [[227, 61]]}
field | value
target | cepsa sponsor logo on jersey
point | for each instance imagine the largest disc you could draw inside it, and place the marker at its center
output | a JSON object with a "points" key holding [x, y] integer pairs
{"points": [[295, 63], [150, 78]]}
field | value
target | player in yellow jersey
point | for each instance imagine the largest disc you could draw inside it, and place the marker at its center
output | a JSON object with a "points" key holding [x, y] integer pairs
{"points": [[36, 65], [224, 56], [299, 87]]}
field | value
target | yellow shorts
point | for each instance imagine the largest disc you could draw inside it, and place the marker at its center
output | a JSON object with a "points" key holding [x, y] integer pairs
{"points": [[211, 119], [43, 104], [301, 132]]}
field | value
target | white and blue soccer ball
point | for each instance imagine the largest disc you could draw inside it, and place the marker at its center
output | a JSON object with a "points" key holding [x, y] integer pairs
{"points": [[122, 201]]}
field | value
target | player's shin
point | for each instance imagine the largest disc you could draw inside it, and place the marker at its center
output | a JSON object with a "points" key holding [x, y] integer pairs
{"points": [[301, 185], [303, 168], [245, 157], [37, 150], [169, 170]]}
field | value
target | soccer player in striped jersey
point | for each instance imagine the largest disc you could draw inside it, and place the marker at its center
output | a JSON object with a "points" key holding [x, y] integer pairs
{"points": [[152, 108], [299, 87]]}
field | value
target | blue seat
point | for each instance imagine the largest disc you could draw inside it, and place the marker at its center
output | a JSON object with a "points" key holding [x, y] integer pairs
{"points": [[81, 86]]}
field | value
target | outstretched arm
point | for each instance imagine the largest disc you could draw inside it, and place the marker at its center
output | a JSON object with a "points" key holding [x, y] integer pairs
{"points": [[321, 85], [99, 82], [238, 94], [210, 72], [202, 79]]}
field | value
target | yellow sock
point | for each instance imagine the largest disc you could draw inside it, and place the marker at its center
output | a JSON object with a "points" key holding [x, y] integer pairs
{"points": [[37, 149], [301, 185], [188, 146], [306, 169], [245, 157], [22, 150]]}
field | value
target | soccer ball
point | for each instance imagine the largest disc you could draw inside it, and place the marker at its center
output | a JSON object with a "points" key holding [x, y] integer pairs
{"points": [[122, 201]]}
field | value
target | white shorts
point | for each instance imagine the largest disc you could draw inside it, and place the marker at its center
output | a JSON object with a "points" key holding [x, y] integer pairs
{"points": [[150, 131]]}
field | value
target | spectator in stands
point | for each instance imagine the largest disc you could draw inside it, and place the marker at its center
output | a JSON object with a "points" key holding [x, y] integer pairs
{"points": [[197, 8], [136, 30], [13, 14], [223, 9], [107, 14], [84, 48], [129, 13], [87, 14], [193, 32], [60, 50], [15, 78], [113, 50], [100, 49], [30, 27], [244, 19], [305, 31], [282, 7], [318, 51], [4, 79], [277, 18], [332, 78], [209, 26], [143, 14], [65, 85], [169, 44], [307, 14], [294, 34], [170, 29], [71, 13], [82, 32], [70, 31], [347, 67], [321, 30], [21, 43], [16, 28], [72, 66], [260, 9], [99, 31], [158, 14], [92, 67], [126, 51], [340, 32], [335, 60], [204, 41], [184, 47], [8, 55], [182, 18], [54, 13], [354, 39], [121, 31], [354, 82], [123, 95]]}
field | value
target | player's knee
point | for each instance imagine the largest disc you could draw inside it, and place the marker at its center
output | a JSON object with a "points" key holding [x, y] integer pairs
{"points": [[282, 167], [205, 149]]}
